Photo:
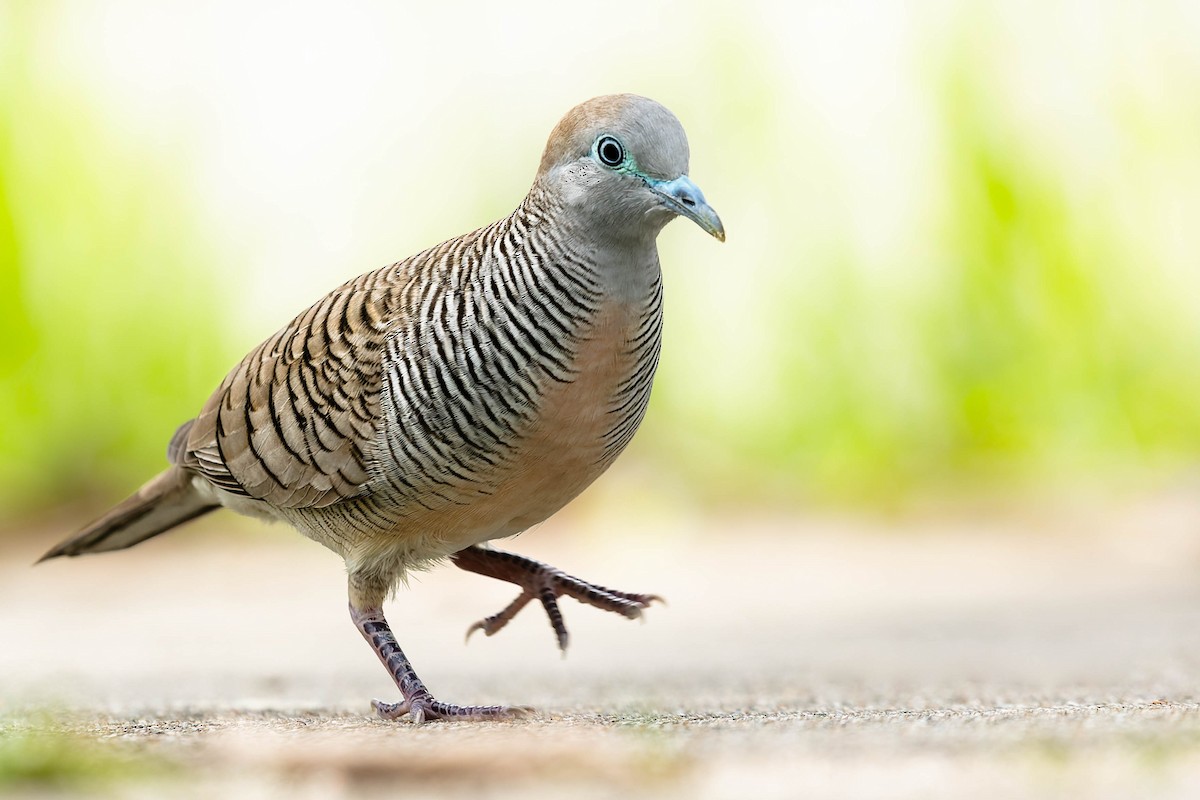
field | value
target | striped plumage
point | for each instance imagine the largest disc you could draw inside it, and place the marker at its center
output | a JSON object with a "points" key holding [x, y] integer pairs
{"points": [[458, 396]]}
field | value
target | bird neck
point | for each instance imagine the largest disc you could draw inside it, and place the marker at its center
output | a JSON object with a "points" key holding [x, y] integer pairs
{"points": [[623, 256]]}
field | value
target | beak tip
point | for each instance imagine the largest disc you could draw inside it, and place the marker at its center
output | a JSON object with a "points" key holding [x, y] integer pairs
{"points": [[685, 199]]}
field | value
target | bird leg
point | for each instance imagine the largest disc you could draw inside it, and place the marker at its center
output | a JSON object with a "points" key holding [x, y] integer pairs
{"points": [[547, 584], [417, 699]]}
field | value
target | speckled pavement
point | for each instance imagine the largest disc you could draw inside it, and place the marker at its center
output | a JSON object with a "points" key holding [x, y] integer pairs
{"points": [[1049, 653]]}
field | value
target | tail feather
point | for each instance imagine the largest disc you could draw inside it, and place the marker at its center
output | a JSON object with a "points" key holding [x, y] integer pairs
{"points": [[165, 501]]}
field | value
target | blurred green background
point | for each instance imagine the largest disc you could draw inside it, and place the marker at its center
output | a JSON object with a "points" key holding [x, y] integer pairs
{"points": [[963, 237]]}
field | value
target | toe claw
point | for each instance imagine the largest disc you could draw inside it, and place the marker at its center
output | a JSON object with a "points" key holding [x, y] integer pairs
{"points": [[547, 584], [390, 710], [429, 710]]}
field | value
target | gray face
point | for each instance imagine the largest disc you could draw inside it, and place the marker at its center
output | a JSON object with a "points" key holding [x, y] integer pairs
{"points": [[622, 161]]}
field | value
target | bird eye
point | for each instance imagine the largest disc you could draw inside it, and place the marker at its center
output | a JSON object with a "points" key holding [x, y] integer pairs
{"points": [[610, 151]]}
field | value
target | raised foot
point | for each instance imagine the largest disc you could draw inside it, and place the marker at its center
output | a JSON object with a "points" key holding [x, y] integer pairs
{"points": [[428, 709], [547, 584]]}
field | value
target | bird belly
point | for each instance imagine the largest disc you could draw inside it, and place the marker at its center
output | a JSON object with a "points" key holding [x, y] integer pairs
{"points": [[557, 456], [563, 449], [566, 449]]}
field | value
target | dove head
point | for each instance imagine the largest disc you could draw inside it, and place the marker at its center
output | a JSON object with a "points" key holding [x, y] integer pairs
{"points": [[621, 162]]}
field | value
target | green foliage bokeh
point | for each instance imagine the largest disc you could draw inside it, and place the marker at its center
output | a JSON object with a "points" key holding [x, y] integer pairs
{"points": [[106, 304], [1031, 327]]}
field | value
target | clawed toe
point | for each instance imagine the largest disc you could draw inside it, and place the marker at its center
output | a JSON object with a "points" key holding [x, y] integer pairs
{"points": [[429, 710], [496, 622], [547, 584], [390, 710], [490, 625]]}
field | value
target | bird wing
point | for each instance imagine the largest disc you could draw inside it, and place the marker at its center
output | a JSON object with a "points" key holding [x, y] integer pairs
{"points": [[295, 422]]}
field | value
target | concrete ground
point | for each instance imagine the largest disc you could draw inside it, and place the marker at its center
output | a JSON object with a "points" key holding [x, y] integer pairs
{"points": [[1049, 653]]}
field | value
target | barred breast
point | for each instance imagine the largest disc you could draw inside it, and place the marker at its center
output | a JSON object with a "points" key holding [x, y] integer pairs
{"points": [[513, 370]]}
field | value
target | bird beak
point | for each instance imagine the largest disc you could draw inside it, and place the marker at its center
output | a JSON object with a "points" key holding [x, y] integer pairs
{"points": [[685, 198]]}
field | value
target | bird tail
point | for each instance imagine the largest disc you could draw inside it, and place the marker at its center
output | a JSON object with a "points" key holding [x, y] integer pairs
{"points": [[167, 500]]}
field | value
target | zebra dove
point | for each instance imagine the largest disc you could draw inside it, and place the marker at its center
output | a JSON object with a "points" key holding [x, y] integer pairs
{"points": [[458, 396]]}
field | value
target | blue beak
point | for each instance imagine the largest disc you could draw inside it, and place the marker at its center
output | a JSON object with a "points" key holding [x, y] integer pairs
{"points": [[685, 198]]}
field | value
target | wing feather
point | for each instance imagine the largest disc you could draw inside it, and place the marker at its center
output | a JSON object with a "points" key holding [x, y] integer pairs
{"points": [[294, 423]]}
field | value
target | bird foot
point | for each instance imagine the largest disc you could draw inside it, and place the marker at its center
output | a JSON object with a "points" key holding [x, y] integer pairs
{"points": [[426, 709], [417, 702], [547, 584]]}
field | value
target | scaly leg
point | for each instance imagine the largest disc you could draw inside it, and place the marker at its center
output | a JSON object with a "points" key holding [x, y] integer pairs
{"points": [[547, 584], [417, 699]]}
